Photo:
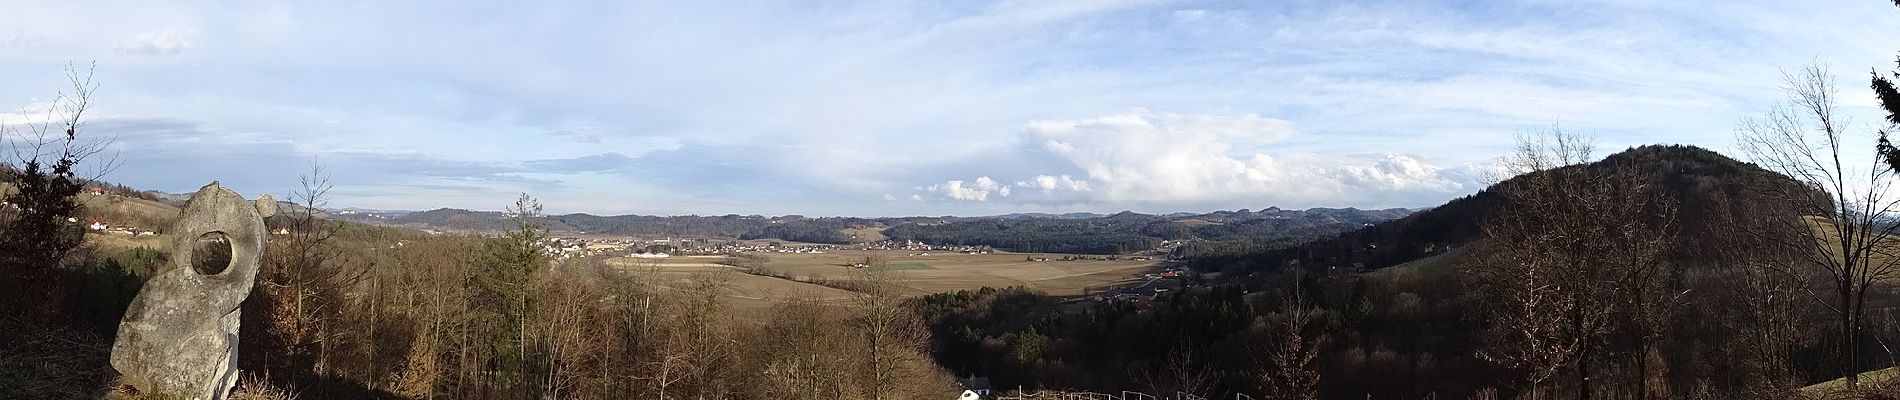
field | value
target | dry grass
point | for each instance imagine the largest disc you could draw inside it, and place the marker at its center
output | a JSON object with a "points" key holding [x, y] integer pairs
{"points": [[127, 211], [44, 362], [1876, 384], [864, 235], [948, 272], [1827, 236], [257, 389], [748, 292]]}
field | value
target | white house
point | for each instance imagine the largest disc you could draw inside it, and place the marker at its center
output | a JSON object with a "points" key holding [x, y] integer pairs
{"points": [[974, 388]]}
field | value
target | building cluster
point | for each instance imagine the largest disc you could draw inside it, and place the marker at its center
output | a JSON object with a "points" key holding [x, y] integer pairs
{"points": [[912, 245], [364, 214], [729, 248], [1152, 287], [105, 228], [571, 247], [1080, 257]]}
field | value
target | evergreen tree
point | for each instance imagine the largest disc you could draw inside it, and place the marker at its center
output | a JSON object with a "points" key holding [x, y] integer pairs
{"points": [[1889, 100], [509, 267], [38, 184]]}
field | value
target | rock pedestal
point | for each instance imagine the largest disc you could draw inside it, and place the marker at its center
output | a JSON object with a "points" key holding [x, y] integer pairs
{"points": [[179, 337]]}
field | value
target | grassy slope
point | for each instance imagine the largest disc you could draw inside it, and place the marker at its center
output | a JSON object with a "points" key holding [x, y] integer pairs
{"points": [[122, 211], [1835, 387]]}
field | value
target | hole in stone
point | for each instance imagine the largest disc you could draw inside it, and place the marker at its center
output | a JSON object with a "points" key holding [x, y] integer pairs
{"points": [[212, 254]]}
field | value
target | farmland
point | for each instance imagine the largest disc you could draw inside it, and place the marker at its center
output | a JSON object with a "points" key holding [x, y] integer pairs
{"points": [[746, 291], [917, 273], [924, 273]]}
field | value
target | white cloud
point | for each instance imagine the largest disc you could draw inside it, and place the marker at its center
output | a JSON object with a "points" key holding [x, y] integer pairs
{"points": [[1396, 172], [979, 190], [1147, 157], [33, 113], [1049, 183]]}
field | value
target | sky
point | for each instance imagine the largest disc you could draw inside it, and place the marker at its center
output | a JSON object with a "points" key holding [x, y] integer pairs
{"points": [[899, 107]]}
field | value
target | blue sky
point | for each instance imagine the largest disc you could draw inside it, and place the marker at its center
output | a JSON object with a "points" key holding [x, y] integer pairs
{"points": [[910, 107]]}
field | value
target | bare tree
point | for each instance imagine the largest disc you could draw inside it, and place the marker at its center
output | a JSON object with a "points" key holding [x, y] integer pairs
{"points": [[1640, 233], [1841, 217], [688, 348], [1532, 262], [568, 329], [1288, 372], [302, 283], [1761, 301], [809, 356], [1578, 252], [892, 333]]}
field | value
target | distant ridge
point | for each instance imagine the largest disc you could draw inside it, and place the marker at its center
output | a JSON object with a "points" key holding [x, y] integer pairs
{"points": [[1079, 232]]}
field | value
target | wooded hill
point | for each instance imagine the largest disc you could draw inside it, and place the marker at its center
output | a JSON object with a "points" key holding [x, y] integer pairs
{"points": [[1699, 179], [1396, 310]]}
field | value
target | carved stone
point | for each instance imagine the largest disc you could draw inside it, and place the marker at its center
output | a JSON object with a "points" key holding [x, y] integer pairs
{"points": [[179, 337]]}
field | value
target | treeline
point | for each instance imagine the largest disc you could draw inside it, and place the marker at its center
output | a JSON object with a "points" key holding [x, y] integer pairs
{"points": [[810, 230], [1032, 235], [1127, 232]]}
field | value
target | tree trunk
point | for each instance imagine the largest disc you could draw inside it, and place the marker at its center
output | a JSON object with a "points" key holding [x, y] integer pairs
{"points": [[1583, 359]]}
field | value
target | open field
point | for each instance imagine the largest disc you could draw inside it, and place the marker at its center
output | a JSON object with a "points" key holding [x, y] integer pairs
{"points": [[746, 290], [917, 274], [946, 272]]}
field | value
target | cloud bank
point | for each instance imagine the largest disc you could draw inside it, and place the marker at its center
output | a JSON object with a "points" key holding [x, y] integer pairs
{"points": [[1148, 157]]}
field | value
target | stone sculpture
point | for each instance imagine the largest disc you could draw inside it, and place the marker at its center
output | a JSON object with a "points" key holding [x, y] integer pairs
{"points": [[179, 337]]}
